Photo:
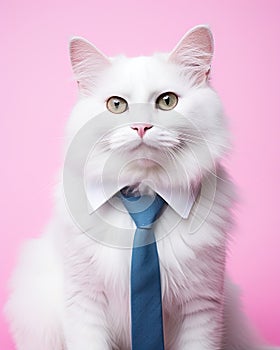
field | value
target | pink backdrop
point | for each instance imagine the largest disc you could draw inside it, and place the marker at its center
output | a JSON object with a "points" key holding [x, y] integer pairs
{"points": [[37, 94]]}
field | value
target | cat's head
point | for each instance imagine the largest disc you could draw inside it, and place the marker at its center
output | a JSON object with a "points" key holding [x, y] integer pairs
{"points": [[151, 118]]}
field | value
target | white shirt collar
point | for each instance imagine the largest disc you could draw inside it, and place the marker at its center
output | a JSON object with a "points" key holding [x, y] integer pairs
{"points": [[181, 200]]}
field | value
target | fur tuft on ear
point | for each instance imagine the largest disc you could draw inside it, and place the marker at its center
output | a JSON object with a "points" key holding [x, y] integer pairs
{"points": [[87, 62], [194, 53]]}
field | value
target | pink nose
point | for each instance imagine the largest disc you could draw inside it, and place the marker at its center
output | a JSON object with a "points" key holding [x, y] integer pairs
{"points": [[141, 128]]}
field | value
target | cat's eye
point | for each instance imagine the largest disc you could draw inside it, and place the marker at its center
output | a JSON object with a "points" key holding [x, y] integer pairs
{"points": [[167, 101], [116, 104]]}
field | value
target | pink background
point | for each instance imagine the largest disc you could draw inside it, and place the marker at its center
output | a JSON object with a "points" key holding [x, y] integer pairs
{"points": [[37, 94]]}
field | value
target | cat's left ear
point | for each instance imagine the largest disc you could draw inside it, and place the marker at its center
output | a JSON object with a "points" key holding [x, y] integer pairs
{"points": [[87, 62], [194, 53]]}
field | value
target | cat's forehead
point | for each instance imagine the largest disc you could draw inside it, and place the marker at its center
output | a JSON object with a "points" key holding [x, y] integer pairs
{"points": [[138, 78], [137, 66]]}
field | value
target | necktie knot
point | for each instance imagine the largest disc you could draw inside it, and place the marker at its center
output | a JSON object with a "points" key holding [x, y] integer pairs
{"points": [[144, 210]]}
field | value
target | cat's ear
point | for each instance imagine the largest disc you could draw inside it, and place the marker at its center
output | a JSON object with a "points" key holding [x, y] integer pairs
{"points": [[194, 53], [87, 62]]}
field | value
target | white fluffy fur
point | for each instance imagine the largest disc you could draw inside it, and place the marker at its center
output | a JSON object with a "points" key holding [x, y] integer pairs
{"points": [[71, 292]]}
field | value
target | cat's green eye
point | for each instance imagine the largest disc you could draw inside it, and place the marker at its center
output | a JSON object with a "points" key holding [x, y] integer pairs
{"points": [[116, 104], [167, 101]]}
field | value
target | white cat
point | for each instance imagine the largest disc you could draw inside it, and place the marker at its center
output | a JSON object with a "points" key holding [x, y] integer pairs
{"points": [[154, 122]]}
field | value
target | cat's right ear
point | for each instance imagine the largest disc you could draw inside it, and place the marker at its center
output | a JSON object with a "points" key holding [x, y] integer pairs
{"points": [[87, 62], [194, 53]]}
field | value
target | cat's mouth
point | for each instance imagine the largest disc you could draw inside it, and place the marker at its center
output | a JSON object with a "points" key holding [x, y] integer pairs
{"points": [[143, 146], [154, 139]]}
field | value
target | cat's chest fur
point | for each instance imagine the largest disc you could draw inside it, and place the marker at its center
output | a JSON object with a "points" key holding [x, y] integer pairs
{"points": [[191, 253]]}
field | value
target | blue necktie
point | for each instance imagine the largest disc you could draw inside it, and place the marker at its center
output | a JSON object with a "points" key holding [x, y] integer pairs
{"points": [[146, 307]]}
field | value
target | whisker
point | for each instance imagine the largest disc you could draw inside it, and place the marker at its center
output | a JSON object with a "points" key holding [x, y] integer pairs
{"points": [[195, 139]]}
